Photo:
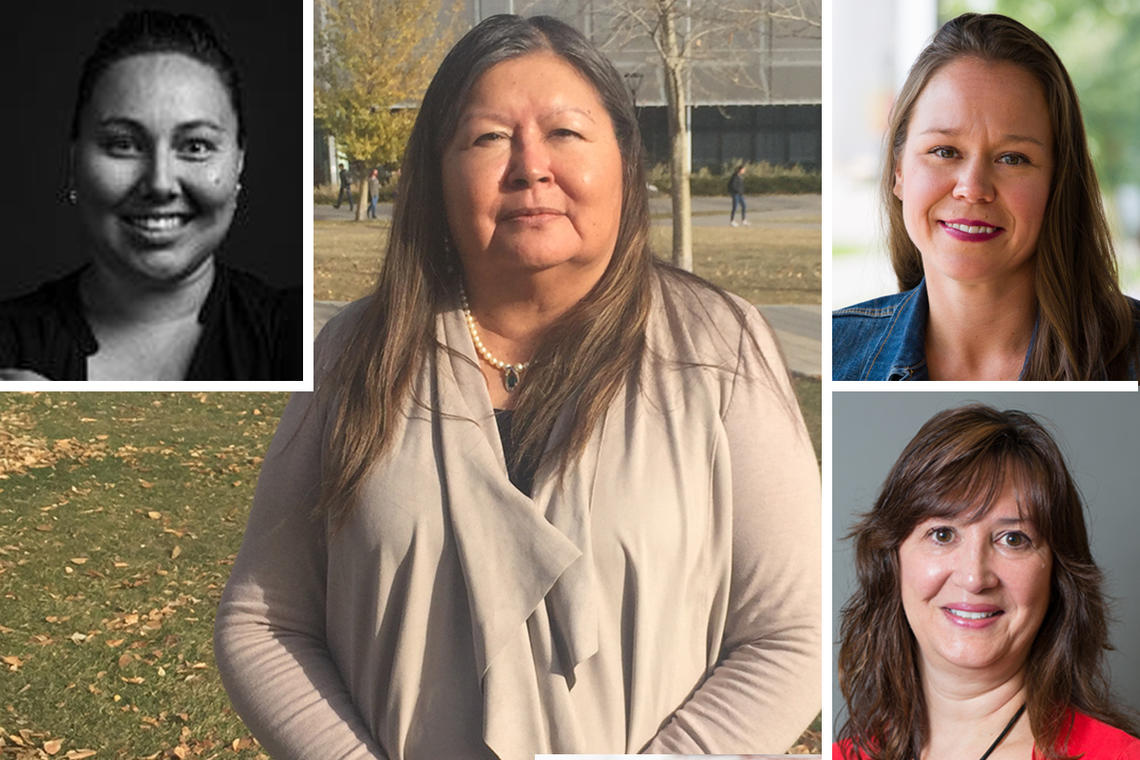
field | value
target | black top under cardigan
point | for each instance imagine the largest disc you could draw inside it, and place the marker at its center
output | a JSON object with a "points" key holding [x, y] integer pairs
{"points": [[250, 331]]}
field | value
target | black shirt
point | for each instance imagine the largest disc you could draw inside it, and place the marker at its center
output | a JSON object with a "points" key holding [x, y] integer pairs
{"points": [[521, 476], [250, 331]]}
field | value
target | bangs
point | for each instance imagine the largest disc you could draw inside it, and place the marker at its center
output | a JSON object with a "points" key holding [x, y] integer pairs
{"points": [[961, 463], [969, 492]]}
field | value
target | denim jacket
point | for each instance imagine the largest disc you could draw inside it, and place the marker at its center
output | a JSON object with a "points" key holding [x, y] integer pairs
{"points": [[885, 338], [881, 339]]}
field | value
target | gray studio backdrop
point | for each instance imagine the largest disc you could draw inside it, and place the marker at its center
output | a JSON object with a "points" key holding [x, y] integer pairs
{"points": [[1097, 433]]}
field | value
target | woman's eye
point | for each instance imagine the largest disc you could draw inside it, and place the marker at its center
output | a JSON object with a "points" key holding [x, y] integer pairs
{"points": [[942, 535], [944, 152], [1014, 540], [196, 148], [489, 137], [563, 132], [1013, 159], [121, 146]]}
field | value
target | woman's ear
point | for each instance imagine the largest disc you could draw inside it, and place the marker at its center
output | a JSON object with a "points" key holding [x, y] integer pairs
{"points": [[69, 185]]}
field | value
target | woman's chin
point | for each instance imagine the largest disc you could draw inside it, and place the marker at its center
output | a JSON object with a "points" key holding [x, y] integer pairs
{"points": [[158, 268]]}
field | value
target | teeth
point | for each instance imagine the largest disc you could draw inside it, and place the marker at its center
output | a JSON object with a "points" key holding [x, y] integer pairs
{"points": [[970, 230], [970, 615], [157, 223]]}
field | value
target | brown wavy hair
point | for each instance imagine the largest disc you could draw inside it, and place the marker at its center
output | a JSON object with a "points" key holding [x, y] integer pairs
{"points": [[958, 464], [584, 357], [1085, 327]]}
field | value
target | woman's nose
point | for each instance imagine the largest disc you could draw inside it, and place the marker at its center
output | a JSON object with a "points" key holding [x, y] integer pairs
{"points": [[161, 177], [974, 183], [530, 162], [975, 571]]}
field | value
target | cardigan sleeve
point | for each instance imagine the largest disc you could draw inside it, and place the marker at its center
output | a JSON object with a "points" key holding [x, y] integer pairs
{"points": [[765, 688], [269, 635]]}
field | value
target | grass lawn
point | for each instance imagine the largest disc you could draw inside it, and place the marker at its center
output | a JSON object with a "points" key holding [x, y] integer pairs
{"points": [[766, 264], [120, 515]]}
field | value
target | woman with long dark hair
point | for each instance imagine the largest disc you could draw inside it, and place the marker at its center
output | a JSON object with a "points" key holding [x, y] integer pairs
{"points": [[995, 225], [549, 495], [979, 626]]}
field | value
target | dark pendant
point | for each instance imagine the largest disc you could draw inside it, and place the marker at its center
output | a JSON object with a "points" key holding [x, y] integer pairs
{"points": [[510, 379]]}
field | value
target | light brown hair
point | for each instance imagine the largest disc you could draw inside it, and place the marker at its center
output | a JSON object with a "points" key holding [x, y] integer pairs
{"points": [[1085, 328], [958, 464]]}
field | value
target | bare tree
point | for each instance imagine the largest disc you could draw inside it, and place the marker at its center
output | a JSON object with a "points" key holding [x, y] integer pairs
{"points": [[683, 32]]}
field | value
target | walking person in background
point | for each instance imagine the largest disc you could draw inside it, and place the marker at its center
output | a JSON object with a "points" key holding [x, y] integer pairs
{"points": [[373, 193], [736, 190], [345, 188]]}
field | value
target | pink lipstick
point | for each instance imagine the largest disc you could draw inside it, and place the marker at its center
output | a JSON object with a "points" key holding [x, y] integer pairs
{"points": [[970, 230], [966, 615]]}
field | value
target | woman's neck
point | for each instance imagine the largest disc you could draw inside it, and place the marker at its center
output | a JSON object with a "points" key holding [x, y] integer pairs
{"points": [[114, 298], [514, 313], [979, 332], [966, 714]]}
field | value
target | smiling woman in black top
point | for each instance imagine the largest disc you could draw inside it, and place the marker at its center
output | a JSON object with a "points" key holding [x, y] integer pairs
{"points": [[158, 146]]}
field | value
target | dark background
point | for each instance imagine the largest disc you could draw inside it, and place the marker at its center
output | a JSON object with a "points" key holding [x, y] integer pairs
{"points": [[43, 44]]}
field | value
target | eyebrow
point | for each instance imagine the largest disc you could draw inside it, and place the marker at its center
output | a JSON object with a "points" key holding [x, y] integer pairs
{"points": [[186, 126], [952, 132], [496, 116], [1013, 521]]}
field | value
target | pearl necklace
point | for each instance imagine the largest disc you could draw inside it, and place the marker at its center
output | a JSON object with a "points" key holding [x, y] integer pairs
{"points": [[512, 373]]}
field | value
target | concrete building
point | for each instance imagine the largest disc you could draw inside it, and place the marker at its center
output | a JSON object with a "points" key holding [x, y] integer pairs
{"points": [[755, 86]]}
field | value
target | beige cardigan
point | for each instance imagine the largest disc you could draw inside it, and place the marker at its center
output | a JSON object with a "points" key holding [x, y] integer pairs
{"points": [[664, 597]]}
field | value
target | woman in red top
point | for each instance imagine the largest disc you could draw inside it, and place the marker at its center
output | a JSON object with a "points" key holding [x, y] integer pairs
{"points": [[979, 628]]}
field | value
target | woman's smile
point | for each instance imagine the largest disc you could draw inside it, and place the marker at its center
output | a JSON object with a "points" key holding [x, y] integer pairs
{"points": [[972, 615], [156, 166], [975, 592], [970, 230], [975, 172]]}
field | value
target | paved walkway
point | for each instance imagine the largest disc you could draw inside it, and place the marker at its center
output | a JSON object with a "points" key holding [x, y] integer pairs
{"points": [[708, 211], [797, 328]]}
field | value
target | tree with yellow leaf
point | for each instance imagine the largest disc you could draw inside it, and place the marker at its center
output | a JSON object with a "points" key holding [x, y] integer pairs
{"points": [[374, 59]]}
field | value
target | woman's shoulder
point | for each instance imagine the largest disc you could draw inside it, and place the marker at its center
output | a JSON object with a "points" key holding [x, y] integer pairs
{"points": [[337, 333], [1097, 740], [882, 307], [48, 297], [255, 293], [696, 314], [844, 750], [44, 330]]}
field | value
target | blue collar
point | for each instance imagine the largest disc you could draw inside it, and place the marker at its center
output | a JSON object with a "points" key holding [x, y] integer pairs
{"points": [[885, 338]]}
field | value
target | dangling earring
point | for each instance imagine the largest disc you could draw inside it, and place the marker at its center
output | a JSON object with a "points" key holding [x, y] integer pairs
{"points": [[71, 196], [238, 188]]}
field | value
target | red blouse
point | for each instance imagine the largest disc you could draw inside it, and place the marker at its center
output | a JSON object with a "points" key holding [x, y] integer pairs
{"points": [[1089, 738]]}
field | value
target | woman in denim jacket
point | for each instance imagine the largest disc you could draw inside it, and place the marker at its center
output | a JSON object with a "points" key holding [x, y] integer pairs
{"points": [[995, 226]]}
